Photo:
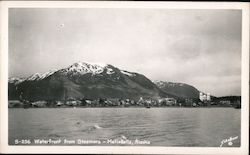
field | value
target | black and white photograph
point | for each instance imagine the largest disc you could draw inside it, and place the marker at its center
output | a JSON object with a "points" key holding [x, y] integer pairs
{"points": [[135, 76]]}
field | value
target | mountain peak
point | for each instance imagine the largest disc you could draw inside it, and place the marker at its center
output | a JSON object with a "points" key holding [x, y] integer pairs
{"points": [[38, 76], [81, 68]]}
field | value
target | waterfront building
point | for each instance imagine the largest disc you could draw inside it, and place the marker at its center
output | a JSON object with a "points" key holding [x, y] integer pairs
{"points": [[205, 97]]}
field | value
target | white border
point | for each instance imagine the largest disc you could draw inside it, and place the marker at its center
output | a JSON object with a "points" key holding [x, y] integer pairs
{"points": [[4, 148]]}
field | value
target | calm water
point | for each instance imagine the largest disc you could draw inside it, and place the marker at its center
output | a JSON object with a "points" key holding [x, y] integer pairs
{"points": [[159, 126]]}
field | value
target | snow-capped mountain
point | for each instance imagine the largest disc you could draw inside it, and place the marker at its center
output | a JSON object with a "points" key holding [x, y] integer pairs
{"points": [[80, 68], [89, 80], [95, 80], [33, 77], [178, 89]]}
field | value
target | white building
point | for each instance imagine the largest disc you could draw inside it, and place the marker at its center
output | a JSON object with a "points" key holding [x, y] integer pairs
{"points": [[208, 97], [205, 97]]}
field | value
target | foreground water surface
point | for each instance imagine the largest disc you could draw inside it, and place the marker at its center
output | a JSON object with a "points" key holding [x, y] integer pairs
{"points": [[205, 127]]}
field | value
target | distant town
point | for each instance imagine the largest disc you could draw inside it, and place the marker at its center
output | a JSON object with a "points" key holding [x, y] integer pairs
{"points": [[205, 100]]}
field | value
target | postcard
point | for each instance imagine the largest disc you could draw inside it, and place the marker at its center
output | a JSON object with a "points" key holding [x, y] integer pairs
{"points": [[124, 77]]}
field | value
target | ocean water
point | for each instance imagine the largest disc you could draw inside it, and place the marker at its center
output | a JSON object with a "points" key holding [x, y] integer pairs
{"points": [[182, 127]]}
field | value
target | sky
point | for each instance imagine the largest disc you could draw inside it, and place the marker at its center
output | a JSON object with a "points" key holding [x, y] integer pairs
{"points": [[198, 47]]}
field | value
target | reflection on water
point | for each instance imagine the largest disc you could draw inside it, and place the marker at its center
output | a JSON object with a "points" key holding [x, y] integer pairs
{"points": [[161, 126]]}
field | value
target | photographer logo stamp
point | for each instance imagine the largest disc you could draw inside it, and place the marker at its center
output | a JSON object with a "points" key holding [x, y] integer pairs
{"points": [[229, 141]]}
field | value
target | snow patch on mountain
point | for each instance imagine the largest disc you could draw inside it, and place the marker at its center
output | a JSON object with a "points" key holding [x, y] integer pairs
{"points": [[103, 65], [34, 77], [110, 71], [38, 76], [128, 73], [82, 68], [162, 84], [47, 74]]}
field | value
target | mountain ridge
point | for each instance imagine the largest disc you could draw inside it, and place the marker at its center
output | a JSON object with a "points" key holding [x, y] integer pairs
{"points": [[84, 80], [95, 80], [180, 89]]}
